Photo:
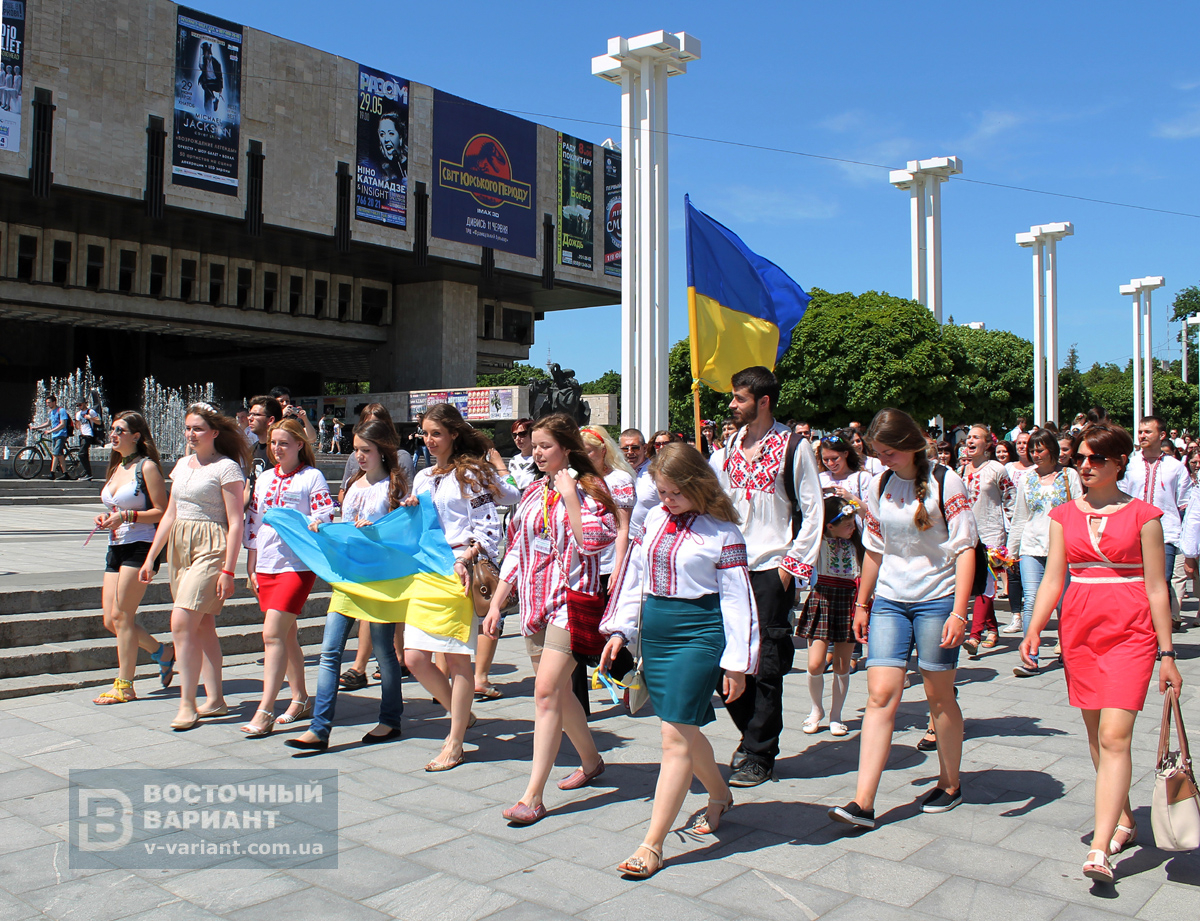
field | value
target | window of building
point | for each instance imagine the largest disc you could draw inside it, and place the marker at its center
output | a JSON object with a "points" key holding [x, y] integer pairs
{"points": [[125, 271], [216, 284], [270, 289], [26, 257], [489, 321], [518, 326], [245, 281], [345, 293], [296, 294], [374, 305], [60, 266], [187, 279], [95, 267], [158, 275], [320, 297]]}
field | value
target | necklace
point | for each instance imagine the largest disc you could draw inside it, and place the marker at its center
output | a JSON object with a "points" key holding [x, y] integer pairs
{"points": [[128, 460]]}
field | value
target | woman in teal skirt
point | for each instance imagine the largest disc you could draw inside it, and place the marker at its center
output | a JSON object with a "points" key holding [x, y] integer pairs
{"points": [[684, 593]]}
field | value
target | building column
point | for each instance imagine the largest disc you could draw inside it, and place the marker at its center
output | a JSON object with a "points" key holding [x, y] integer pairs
{"points": [[432, 340]]}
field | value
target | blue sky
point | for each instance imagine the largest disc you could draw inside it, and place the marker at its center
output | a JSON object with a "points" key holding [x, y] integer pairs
{"points": [[1083, 99]]}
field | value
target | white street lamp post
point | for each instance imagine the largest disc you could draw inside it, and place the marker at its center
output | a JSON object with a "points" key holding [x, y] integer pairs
{"points": [[923, 181], [641, 66], [1043, 240], [1143, 344], [1193, 320], [1148, 284]]}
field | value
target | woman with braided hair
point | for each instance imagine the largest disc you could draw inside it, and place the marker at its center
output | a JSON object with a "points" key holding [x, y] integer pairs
{"points": [[919, 565]]}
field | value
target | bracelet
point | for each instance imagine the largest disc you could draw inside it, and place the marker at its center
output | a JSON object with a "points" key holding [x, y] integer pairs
{"points": [[226, 572], [1166, 654], [959, 616], [135, 516], [860, 604]]}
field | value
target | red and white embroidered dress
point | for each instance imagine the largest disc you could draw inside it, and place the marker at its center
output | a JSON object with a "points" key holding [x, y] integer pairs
{"points": [[542, 561], [305, 490]]}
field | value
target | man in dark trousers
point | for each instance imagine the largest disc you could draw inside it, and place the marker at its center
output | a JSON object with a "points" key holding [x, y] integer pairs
{"points": [[780, 552]]}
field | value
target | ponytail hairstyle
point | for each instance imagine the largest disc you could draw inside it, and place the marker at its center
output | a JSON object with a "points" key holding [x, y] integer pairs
{"points": [[596, 435], [292, 426], [565, 432], [896, 429], [230, 440], [469, 455], [834, 506], [145, 446], [383, 436]]}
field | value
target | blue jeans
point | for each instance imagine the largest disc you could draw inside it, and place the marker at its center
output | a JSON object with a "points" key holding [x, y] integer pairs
{"points": [[897, 626], [1033, 569], [338, 628]]}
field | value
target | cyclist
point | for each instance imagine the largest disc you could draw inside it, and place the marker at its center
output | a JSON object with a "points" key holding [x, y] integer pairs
{"points": [[59, 427]]}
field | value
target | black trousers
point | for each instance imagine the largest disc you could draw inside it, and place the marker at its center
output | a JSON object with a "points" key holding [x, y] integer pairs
{"points": [[85, 452], [758, 713]]}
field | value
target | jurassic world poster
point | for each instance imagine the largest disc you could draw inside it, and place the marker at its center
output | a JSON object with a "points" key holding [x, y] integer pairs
{"points": [[485, 190]]}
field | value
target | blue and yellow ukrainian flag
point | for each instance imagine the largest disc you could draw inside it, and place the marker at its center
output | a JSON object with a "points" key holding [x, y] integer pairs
{"points": [[399, 569], [742, 308]]}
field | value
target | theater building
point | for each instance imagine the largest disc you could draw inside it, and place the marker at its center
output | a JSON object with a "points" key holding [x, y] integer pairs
{"points": [[184, 197]]}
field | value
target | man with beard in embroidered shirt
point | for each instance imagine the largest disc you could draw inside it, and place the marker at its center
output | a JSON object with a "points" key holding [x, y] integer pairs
{"points": [[1163, 481], [754, 476]]}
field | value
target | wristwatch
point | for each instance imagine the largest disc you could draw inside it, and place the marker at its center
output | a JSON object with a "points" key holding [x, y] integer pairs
{"points": [[1165, 654]]}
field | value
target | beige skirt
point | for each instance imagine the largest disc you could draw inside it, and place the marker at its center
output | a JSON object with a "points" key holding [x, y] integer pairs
{"points": [[195, 557]]}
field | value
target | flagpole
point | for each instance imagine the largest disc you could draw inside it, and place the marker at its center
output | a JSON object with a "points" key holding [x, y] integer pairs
{"points": [[687, 204]]}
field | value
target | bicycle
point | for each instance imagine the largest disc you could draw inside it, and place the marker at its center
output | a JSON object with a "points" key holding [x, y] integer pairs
{"points": [[30, 460]]}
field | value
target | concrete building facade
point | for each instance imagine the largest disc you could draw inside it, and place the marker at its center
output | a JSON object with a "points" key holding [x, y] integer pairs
{"points": [[102, 254]]}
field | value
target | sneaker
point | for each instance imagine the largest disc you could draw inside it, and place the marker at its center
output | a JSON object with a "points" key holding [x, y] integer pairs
{"points": [[738, 759], [751, 774], [1014, 627], [971, 645], [853, 814], [989, 639], [1024, 671], [939, 800]]}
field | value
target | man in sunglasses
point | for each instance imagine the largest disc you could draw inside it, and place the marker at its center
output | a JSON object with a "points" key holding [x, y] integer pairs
{"points": [[524, 471], [633, 446]]}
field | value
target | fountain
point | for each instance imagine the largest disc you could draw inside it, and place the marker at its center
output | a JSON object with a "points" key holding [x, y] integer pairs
{"points": [[165, 408], [80, 384]]}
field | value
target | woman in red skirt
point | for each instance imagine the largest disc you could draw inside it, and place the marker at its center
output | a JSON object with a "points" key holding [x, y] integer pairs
{"points": [[1116, 620], [279, 579]]}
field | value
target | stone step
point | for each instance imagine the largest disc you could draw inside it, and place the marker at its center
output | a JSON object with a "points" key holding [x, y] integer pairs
{"points": [[17, 630], [42, 500], [84, 597], [101, 653], [44, 483]]}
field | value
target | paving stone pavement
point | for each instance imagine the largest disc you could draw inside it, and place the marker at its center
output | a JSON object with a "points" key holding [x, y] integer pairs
{"points": [[434, 847]]}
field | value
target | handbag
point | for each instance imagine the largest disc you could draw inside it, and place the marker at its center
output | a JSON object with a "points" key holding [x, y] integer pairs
{"points": [[482, 578], [584, 612], [1175, 809], [638, 692]]}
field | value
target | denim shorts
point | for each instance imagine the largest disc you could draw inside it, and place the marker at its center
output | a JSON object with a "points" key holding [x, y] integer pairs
{"points": [[896, 626]]}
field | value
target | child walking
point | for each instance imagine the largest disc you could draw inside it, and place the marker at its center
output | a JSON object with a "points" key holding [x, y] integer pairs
{"points": [[828, 613]]}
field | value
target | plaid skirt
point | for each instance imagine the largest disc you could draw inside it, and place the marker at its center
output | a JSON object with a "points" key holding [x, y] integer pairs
{"points": [[828, 612]]}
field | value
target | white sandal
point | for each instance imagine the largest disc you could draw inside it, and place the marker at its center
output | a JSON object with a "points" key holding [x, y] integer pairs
{"points": [[1115, 847], [838, 729], [812, 723], [1101, 869]]}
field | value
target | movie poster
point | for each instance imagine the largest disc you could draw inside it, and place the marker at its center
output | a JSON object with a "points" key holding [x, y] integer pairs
{"points": [[612, 212], [575, 202], [12, 65], [485, 191], [381, 189], [208, 103]]}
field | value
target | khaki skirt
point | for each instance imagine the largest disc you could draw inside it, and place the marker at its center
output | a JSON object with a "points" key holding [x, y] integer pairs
{"points": [[195, 557]]}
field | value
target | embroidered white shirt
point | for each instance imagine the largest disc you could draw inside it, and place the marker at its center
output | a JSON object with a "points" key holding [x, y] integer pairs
{"points": [[620, 485], [1168, 489], [305, 490], [689, 556], [1030, 531], [466, 514], [647, 497]]}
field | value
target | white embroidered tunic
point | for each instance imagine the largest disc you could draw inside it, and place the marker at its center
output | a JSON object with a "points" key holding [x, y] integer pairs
{"points": [[305, 490], [1030, 531], [620, 486], [368, 501], [1165, 484], [756, 486], [466, 514], [993, 498], [544, 559], [689, 556], [918, 565]]}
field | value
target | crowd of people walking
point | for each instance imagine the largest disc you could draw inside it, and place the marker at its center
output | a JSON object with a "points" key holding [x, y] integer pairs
{"points": [[680, 571]]}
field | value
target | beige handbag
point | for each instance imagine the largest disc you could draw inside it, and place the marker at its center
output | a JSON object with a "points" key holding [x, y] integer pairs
{"points": [[482, 579], [1175, 811]]}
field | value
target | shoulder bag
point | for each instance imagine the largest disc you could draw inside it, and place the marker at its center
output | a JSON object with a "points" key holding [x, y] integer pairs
{"points": [[1175, 809], [482, 579], [638, 692]]}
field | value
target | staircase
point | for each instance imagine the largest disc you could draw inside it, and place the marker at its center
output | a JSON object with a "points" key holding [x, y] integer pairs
{"points": [[63, 645], [44, 491]]}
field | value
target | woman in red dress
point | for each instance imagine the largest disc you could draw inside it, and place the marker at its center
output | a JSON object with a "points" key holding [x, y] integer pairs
{"points": [[1116, 619]]}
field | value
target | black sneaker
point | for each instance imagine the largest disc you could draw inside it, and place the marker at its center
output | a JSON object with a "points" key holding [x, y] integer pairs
{"points": [[939, 800], [738, 759], [352, 680], [750, 774], [853, 814]]}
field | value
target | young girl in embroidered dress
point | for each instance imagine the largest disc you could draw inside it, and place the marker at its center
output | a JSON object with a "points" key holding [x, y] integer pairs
{"points": [[685, 595], [281, 582], [828, 614], [555, 539]]}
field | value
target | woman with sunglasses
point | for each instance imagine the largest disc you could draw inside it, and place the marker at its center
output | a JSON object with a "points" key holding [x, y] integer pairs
{"points": [[522, 467], [841, 472], [135, 496], [1116, 620]]}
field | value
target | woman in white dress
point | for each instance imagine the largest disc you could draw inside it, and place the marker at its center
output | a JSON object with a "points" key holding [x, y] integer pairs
{"points": [[466, 488], [843, 473]]}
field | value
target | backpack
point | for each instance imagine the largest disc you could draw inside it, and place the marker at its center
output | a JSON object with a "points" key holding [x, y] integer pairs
{"points": [[979, 580], [789, 482]]}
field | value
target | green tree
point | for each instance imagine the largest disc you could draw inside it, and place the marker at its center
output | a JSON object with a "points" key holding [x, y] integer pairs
{"points": [[608, 382], [1074, 397], [994, 373], [852, 355], [680, 413], [518, 375]]}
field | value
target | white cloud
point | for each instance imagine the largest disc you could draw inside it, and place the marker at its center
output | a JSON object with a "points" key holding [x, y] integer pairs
{"points": [[992, 124], [748, 205], [852, 120], [1185, 126]]}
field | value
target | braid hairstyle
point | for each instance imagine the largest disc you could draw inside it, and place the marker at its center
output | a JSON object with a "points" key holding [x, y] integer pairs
{"points": [[383, 436], [565, 432], [896, 429]]}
